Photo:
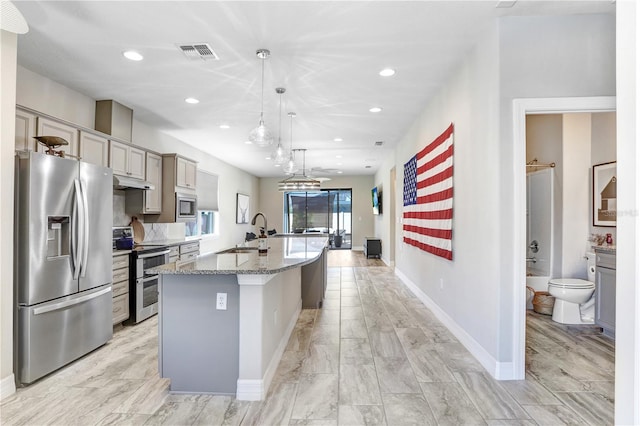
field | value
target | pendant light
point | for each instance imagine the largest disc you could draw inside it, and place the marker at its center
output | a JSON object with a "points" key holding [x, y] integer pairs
{"points": [[291, 167], [279, 156], [299, 183], [261, 136]]}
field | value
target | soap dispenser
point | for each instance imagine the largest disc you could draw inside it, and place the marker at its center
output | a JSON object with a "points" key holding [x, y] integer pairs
{"points": [[262, 243]]}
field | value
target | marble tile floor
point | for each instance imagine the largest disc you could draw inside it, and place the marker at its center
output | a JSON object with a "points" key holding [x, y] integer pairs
{"points": [[373, 355]]}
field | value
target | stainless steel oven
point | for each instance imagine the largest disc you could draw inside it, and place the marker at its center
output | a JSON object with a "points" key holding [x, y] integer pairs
{"points": [[186, 207], [143, 295]]}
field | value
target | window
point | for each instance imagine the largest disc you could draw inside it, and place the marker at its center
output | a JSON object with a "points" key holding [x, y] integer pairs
{"points": [[208, 222], [325, 211]]}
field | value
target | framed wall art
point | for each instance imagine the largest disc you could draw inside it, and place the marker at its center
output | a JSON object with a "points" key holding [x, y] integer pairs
{"points": [[604, 194], [242, 208]]}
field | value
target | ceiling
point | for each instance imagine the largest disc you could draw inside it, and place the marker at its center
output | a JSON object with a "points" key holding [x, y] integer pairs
{"points": [[326, 54]]}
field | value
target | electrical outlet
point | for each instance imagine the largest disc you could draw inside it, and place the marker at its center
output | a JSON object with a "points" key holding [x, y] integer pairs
{"points": [[441, 283], [221, 301]]}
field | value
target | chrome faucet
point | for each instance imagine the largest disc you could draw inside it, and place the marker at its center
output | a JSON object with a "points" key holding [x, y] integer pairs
{"points": [[253, 221]]}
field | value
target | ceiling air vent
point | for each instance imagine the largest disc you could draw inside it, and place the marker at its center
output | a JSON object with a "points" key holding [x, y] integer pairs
{"points": [[378, 143], [198, 51]]}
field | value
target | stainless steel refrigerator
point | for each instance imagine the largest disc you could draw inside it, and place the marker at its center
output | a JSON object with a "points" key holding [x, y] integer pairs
{"points": [[63, 262]]}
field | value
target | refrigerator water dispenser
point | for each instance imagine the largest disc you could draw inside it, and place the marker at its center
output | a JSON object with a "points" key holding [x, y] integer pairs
{"points": [[58, 241]]}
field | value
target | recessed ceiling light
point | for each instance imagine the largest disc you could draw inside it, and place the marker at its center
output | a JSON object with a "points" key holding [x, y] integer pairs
{"points": [[248, 142], [338, 156], [191, 101], [375, 109], [339, 172], [337, 140], [339, 164], [224, 126], [133, 55], [387, 72]]}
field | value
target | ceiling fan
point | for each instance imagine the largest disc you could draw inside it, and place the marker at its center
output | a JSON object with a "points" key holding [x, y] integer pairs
{"points": [[321, 173]]}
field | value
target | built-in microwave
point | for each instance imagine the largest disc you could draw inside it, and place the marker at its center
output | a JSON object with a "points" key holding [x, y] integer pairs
{"points": [[186, 207]]}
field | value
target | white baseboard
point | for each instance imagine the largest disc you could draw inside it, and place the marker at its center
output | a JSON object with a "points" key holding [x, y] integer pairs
{"points": [[256, 390], [357, 248], [499, 370], [7, 386]]}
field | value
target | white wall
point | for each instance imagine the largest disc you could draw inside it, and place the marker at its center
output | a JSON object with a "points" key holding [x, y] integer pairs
{"points": [[542, 57], [471, 282], [8, 52], [576, 148], [271, 204], [478, 100], [628, 245]]}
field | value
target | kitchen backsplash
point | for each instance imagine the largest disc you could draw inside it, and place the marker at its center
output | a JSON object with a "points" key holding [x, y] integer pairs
{"points": [[120, 218], [152, 231]]}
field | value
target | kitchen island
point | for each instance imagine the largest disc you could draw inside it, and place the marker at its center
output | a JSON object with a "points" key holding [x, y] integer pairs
{"points": [[225, 319]]}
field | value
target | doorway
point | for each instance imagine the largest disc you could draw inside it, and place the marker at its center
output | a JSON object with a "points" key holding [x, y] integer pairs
{"points": [[522, 108], [327, 211]]}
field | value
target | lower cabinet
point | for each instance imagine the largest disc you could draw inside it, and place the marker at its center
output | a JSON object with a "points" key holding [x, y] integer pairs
{"points": [[189, 252], [120, 287], [606, 292]]}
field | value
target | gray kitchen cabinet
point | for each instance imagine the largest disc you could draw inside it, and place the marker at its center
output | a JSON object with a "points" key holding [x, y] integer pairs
{"points": [[94, 149], [25, 130], [47, 127], [153, 197], [120, 287], [606, 292], [189, 252], [314, 282], [185, 173], [127, 160]]}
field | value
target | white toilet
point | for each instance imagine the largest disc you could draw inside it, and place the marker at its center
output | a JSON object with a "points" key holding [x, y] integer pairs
{"points": [[574, 302]]}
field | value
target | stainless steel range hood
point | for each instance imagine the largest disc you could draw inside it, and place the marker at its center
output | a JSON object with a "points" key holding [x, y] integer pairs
{"points": [[123, 182]]}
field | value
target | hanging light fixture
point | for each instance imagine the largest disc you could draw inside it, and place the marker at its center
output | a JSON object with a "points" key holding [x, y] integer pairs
{"points": [[291, 167], [279, 155], [261, 136], [299, 182]]}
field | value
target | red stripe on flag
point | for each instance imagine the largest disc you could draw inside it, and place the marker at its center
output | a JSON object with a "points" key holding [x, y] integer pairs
{"points": [[437, 178], [445, 234], [433, 145], [433, 215], [447, 254], [440, 158], [436, 196]]}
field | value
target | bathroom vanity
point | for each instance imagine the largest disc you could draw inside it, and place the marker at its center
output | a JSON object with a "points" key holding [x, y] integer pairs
{"points": [[606, 290]]}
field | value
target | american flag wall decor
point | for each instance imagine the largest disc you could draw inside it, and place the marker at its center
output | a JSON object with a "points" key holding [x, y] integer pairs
{"points": [[428, 197]]}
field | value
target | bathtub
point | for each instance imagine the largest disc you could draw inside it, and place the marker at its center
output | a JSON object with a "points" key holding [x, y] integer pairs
{"points": [[538, 283]]}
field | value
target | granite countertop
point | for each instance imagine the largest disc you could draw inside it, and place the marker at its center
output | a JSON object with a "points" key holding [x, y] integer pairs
{"points": [[284, 253]]}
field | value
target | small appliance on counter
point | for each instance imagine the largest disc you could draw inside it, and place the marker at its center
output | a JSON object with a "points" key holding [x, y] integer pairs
{"points": [[122, 237]]}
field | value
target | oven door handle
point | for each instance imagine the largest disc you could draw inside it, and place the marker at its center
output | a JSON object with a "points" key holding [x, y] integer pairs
{"points": [[149, 278], [155, 253]]}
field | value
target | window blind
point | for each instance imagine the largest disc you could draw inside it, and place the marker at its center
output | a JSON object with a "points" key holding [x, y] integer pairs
{"points": [[207, 191]]}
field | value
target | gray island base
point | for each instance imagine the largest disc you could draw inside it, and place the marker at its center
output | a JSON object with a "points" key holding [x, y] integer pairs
{"points": [[225, 320]]}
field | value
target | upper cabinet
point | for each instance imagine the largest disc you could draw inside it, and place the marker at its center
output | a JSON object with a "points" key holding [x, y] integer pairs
{"points": [[179, 174], [185, 173], [153, 197], [48, 127], [126, 160], [94, 149], [25, 130]]}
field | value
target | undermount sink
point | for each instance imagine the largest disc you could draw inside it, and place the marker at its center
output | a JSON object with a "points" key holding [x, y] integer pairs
{"points": [[239, 250]]}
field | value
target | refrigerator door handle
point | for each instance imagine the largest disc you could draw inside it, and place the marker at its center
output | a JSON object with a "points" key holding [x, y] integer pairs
{"points": [[67, 303], [85, 230], [78, 227]]}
